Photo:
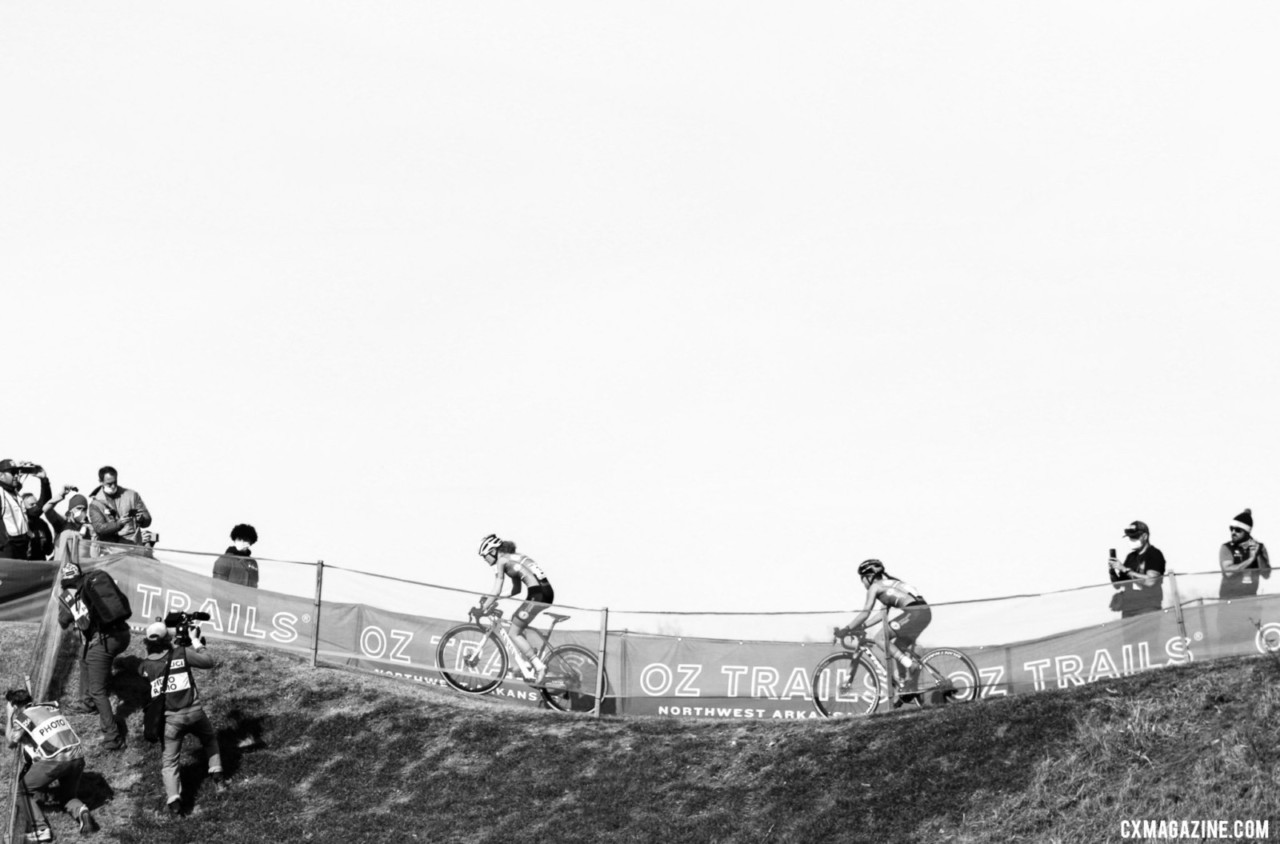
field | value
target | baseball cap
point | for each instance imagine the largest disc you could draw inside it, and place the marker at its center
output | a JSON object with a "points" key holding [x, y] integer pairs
{"points": [[7, 465], [157, 631], [1136, 529]]}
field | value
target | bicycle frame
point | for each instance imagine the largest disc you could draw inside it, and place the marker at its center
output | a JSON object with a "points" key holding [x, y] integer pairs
{"points": [[572, 681], [501, 628], [939, 675]]}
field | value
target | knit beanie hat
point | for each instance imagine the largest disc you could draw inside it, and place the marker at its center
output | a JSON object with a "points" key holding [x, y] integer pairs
{"points": [[77, 500], [1244, 521]]}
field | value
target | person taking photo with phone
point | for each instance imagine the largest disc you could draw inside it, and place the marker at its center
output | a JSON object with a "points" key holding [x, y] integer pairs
{"points": [[118, 514]]}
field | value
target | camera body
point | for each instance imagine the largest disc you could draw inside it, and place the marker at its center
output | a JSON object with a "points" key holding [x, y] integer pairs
{"points": [[28, 469], [182, 622]]}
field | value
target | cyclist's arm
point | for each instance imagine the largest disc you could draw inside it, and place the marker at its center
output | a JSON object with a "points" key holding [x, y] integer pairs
{"points": [[865, 613], [496, 590]]}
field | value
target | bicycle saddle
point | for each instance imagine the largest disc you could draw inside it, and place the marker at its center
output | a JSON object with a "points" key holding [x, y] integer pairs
{"points": [[557, 617]]}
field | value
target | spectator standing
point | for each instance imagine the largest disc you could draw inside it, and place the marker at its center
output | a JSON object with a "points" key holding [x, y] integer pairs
{"points": [[1243, 560], [118, 514], [236, 565], [53, 752], [101, 643], [15, 533], [75, 523], [1140, 577], [41, 545], [170, 657]]}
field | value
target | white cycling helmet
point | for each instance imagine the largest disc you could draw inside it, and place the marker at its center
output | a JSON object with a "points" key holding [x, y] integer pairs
{"points": [[489, 548]]}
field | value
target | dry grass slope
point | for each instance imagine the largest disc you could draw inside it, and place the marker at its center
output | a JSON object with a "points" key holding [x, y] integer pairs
{"points": [[352, 758]]}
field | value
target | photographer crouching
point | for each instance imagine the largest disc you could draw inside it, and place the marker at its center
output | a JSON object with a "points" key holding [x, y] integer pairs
{"points": [[174, 647], [53, 754]]}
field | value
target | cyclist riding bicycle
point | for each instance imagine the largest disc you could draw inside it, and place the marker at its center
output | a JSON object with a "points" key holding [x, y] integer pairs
{"points": [[523, 571], [906, 628]]}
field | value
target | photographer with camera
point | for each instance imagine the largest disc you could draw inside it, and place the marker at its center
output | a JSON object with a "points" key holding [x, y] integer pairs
{"points": [[174, 647], [94, 603], [15, 528], [42, 520], [53, 752], [117, 514]]}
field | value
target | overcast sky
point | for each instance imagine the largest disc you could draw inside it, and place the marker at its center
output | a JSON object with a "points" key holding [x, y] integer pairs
{"points": [[701, 303]]}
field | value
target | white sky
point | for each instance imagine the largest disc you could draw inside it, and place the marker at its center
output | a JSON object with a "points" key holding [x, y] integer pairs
{"points": [[702, 303]]}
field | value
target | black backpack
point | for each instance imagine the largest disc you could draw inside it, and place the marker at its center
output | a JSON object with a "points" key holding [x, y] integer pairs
{"points": [[107, 604]]}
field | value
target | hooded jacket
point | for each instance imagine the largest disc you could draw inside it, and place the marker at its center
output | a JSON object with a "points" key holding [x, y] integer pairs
{"points": [[236, 566]]}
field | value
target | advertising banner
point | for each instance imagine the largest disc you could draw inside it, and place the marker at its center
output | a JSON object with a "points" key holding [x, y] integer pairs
{"points": [[684, 676], [24, 589]]}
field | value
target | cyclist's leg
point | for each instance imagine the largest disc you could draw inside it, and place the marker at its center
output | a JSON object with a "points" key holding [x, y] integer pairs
{"points": [[539, 598], [906, 629]]}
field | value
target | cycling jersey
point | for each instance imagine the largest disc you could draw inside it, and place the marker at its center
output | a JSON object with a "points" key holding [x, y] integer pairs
{"points": [[899, 594], [522, 570]]}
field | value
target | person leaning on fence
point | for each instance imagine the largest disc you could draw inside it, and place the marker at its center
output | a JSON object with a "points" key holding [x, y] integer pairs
{"points": [[101, 642], [167, 669], [1243, 560], [118, 514], [1138, 580], [75, 523], [52, 752], [236, 565]]}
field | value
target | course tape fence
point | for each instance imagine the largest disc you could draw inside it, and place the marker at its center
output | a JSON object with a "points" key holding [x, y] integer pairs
{"points": [[700, 665], [707, 664]]}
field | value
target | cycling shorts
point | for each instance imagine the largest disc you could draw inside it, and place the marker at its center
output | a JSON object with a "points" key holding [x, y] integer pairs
{"points": [[536, 601], [907, 627]]}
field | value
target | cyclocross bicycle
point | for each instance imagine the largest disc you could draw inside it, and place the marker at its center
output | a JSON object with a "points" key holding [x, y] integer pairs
{"points": [[853, 681], [477, 656]]}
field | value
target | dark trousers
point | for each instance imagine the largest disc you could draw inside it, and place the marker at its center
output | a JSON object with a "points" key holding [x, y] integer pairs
{"points": [[15, 548], [41, 772], [95, 675]]}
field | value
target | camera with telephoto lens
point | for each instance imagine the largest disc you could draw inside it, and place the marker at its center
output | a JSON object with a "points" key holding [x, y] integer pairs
{"points": [[28, 469], [182, 623]]}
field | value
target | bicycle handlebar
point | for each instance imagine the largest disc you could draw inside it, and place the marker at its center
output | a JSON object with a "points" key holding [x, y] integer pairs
{"points": [[475, 614]]}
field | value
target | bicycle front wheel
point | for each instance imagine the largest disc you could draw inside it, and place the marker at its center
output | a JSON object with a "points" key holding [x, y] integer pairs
{"points": [[949, 676], [846, 684], [570, 682], [471, 660]]}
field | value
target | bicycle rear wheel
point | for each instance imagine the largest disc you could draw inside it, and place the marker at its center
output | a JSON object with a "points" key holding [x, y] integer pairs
{"points": [[846, 684], [570, 682], [950, 676], [471, 660]]}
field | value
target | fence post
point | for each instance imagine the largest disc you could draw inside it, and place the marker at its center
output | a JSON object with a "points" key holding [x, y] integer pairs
{"points": [[890, 663], [1177, 605], [315, 635], [604, 636]]}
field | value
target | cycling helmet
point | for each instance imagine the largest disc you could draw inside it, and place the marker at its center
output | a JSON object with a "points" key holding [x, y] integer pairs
{"points": [[489, 548], [870, 568]]}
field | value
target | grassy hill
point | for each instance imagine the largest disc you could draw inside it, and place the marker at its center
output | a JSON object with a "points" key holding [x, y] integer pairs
{"points": [[342, 757]]}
